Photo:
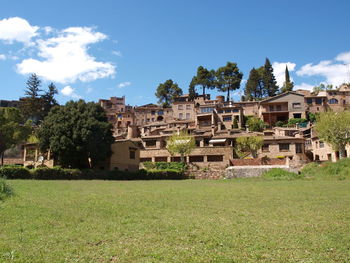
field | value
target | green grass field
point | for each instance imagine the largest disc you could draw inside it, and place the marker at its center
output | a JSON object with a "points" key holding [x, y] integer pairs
{"points": [[176, 221]]}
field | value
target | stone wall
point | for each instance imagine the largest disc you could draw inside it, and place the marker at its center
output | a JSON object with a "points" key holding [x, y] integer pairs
{"points": [[258, 161], [251, 171]]}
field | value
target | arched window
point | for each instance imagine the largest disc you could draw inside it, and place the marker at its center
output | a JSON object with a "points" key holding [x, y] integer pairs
{"points": [[333, 101]]}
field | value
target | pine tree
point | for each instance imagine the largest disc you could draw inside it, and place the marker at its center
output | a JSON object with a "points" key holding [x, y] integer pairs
{"points": [[33, 84], [48, 98], [254, 88], [205, 79], [270, 84], [228, 78], [167, 92], [287, 85], [192, 93]]}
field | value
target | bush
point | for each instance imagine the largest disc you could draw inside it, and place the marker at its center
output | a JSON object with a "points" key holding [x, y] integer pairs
{"points": [[5, 189], [280, 174], [15, 172], [165, 166], [339, 169], [56, 173], [294, 121]]}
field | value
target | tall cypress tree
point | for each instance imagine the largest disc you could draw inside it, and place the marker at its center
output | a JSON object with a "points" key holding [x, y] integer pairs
{"points": [[270, 84], [287, 85]]}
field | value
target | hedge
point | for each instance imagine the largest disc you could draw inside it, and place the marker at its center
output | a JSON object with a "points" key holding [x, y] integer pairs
{"points": [[58, 173], [164, 166]]}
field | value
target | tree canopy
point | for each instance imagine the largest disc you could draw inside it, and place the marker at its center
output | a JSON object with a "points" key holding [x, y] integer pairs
{"points": [[76, 134], [181, 143], [228, 78], [205, 79], [255, 124], [248, 145], [270, 84], [287, 85], [167, 92], [13, 130], [334, 128], [254, 88]]}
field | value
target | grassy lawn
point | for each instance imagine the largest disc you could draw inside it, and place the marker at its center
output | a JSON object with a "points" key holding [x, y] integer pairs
{"points": [[176, 221]]}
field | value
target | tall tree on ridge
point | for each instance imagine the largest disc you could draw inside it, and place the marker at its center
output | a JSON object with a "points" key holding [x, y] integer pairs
{"points": [[49, 100], [205, 79], [287, 85], [167, 92], [270, 84], [228, 78], [254, 88]]}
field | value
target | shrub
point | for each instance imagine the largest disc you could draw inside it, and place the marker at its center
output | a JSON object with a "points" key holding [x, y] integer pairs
{"points": [[5, 189], [15, 172], [56, 173], [280, 174], [165, 166]]}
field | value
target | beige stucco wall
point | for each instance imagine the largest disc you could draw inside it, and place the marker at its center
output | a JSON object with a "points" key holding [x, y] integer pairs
{"points": [[121, 156]]}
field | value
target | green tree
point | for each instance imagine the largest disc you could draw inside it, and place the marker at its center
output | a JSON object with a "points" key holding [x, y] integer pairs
{"points": [[228, 78], [269, 80], [254, 88], [205, 79], [13, 130], [255, 124], [287, 85], [334, 128], [192, 93], [248, 145], [48, 99], [322, 87], [181, 143], [167, 92], [33, 86], [76, 134]]}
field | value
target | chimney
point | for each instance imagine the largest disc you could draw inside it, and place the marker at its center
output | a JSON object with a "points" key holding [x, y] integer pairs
{"points": [[213, 130]]}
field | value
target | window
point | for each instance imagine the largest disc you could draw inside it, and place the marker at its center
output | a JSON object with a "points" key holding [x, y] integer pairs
{"points": [[298, 148], [309, 101], [153, 112], [235, 110], [227, 111], [196, 159], [180, 107], [188, 107], [132, 154], [227, 118], [215, 158], [296, 115], [207, 110], [271, 108], [321, 144], [279, 108], [160, 112], [266, 147], [333, 101], [296, 105], [284, 147], [180, 116], [188, 116], [150, 143], [318, 101]]}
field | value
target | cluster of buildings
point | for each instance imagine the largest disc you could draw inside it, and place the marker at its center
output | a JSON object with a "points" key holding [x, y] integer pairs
{"points": [[216, 124]]}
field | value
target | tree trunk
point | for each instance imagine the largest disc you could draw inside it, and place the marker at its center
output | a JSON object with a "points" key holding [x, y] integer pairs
{"points": [[182, 158], [203, 93], [228, 94], [342, 152]]}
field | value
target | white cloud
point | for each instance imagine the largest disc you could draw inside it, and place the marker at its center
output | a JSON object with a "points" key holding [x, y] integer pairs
{"points": [[65, 58], [17, 29], [2, 57], [279, 71], [124, 84], [89, 90], [70, 92], [304, 86], [334, 71], [117, 53]]}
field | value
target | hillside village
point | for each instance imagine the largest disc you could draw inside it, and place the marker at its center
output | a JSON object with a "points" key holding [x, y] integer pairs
{"points": [[216, 123]]}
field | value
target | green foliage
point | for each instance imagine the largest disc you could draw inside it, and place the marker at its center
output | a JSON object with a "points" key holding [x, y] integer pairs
{"points": [[255, 124], [192, 93], [5, 189], [15, 172], [181, 144], [75, 133], [281, 174], [269, 80], [178, 166], [12, 129], [338, 170], [280, 123], [167, 92], [295, 121], [334, 128], [205, 79], [235, 123], [228, 78], [248, 145], [312, 117], [254, 88], [322, 87], [287, 85]]}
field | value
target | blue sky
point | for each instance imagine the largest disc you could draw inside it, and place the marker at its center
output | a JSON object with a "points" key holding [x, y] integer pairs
{"points": [[98, 49]]}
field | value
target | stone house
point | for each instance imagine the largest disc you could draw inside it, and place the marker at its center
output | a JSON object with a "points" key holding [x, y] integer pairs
{"points": [[125, 155]]}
